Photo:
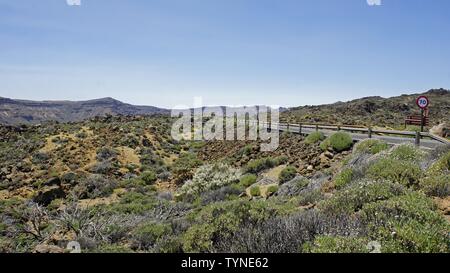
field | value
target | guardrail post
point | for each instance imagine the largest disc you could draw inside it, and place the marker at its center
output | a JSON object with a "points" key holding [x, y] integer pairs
{"points": [[317, 128], [339, 128], [287, 127], [370, 132], [300, 129], [418, 138]]}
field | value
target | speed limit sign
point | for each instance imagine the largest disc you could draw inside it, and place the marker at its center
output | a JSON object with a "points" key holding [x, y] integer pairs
{"points": [[422, 102]]}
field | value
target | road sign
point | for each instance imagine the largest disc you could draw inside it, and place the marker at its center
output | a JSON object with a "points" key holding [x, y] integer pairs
{"points": [[422, 102]]}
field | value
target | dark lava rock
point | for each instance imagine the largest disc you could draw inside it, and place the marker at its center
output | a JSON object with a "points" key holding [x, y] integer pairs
{"points": [[55, 181], [45, 197], [293, 187]]}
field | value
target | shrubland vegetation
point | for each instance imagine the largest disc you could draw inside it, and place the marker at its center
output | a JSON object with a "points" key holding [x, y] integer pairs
{"points": [[339, 141], [287, 174], [314, 137], [123, 185]]}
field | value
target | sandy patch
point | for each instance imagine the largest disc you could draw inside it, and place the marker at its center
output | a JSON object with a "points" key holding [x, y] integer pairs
{"points": [[128, 156], [4, 194], [273, 173]]}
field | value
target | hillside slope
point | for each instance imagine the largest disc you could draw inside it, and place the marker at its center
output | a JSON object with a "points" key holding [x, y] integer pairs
{"points": [[374, 110], [122, 184], [365, 111]]}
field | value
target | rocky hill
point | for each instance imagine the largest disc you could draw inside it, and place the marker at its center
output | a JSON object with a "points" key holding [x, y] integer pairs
{"points": [[34, 112], [374, 110], [378, 111]]}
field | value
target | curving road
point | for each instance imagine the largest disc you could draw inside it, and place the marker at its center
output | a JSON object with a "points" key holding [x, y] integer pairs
{"points": [[394, 140]]}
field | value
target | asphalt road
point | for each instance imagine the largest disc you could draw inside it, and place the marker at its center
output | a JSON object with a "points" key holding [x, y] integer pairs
{"points": [[394, 140]]}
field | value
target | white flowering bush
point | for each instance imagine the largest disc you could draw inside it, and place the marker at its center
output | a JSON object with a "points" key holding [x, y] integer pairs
{"points": [[210, 177]]}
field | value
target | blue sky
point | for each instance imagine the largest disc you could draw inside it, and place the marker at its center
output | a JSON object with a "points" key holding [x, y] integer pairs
{"points": [[230, 52]]}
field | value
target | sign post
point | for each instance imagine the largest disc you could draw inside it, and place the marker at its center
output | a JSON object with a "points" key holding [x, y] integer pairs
{"points": [[423, 103]]}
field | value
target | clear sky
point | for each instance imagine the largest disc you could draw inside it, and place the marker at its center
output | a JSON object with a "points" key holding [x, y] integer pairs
{"points": [[230, 52]]}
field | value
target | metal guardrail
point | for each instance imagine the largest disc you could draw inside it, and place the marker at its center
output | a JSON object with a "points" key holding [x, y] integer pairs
{"points": [[369, 131], [438, 138]]}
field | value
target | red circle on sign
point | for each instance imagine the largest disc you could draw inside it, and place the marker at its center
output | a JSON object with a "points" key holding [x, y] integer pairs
{"points": [[422, 102]]}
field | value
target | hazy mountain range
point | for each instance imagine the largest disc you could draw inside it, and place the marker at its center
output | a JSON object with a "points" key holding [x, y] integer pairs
{"points": [[34, 112], [375, 110]]}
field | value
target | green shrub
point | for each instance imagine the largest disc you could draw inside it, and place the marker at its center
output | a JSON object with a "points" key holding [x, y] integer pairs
{"points": [[343, 178], [135, 203], [248, 180], [407, 152], [55, 204], [339, 244], [183, 167], [302, 182], [247, 150], [255, 191], [407, 223], [170, 244], [442, 165], [372, 146], [196, 145], [146, 235], [287, 174], [339, 141], [310, 197], [280, 160], [403, 172], [149, 177], [219, 221], [197, 239], [272, 189], [413, 128], [257, 165], [354, 197], [314, 137], [436, 185]]}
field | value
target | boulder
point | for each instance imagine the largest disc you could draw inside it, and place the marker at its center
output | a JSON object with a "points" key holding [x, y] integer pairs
{"points": [[328, 154], [42, 248], [293, 187], [324, 159], [54, 181], [264, 181], [318, 180], [442, 130]]}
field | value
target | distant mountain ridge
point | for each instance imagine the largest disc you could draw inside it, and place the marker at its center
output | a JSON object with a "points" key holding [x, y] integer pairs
{"points": [[14, 112], [372, 110]]}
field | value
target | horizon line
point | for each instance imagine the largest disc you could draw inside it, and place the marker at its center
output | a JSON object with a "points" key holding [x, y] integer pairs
{"points": [[223, 105]]}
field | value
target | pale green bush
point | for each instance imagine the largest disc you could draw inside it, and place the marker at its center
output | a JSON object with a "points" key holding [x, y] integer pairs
{"points": [[210, 177], [339, 141], [407, 152], [343, 178], [314, 137], [372, 146]]}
